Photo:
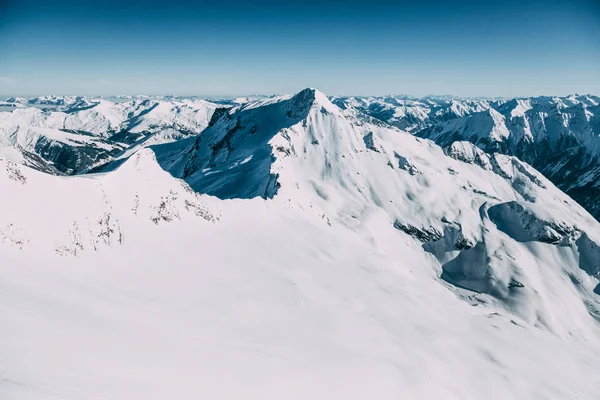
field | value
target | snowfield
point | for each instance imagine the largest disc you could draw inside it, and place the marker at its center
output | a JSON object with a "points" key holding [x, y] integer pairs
{"points": [[305, 253]]}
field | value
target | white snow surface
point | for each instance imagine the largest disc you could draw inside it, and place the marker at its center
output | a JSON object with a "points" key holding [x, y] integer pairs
{"points": [[379, 267]]}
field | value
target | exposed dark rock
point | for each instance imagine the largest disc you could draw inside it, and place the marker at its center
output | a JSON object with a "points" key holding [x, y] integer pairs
{"points": [[423, 234]]}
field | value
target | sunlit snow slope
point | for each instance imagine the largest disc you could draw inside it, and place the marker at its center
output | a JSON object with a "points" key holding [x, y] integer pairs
{"points": [[326, 258], [559, 136]]}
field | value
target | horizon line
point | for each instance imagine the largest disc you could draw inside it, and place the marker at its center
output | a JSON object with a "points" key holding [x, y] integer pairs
{"points": [[5, 97]]}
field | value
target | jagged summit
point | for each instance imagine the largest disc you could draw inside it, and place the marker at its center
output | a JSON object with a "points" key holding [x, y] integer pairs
{"points": [[298, 102], [233, 157], [311, 97], [315, 96]]}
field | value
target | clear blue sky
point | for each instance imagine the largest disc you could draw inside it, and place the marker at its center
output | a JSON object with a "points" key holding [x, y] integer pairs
{"points": [[229, 47]]}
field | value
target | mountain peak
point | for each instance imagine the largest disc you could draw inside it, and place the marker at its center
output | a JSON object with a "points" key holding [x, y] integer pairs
{"points": [[311, 96]]}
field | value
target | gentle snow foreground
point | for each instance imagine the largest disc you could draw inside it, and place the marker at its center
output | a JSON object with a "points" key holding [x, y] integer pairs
{"points": [[372, 264]]}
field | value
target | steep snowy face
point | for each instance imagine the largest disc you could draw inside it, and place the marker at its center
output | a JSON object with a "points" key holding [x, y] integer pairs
{"points": [[232, 158], [74, 135], [385, 263]]}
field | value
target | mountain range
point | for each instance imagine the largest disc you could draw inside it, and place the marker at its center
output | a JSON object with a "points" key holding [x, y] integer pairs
{"points": [[559, 136], [74, 134], [300, 246]]}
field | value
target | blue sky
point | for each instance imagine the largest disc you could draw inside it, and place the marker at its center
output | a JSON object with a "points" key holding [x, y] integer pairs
{"points": [[232, 47]]}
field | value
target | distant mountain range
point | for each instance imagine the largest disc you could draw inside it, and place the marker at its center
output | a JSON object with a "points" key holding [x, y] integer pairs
{"points": [[255, 247], [559, 136], [75, 134]]}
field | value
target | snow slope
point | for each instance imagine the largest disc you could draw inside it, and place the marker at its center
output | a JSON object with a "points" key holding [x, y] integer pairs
{"points": [[336, 259], [559, 136]]}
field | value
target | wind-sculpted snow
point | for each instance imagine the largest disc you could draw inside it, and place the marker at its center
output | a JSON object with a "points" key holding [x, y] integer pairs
{"points": [[337, 259]]}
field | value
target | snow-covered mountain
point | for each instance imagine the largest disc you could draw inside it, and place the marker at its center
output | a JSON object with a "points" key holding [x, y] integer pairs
{"points": [[327, 257], [411, 114], [52, 102], [77, 134], [560, 136]]}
